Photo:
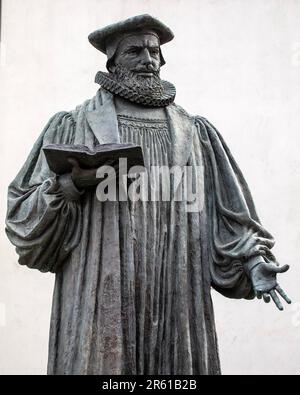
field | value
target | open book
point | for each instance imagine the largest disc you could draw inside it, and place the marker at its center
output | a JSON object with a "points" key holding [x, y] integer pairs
{"points": [[57, 156]]}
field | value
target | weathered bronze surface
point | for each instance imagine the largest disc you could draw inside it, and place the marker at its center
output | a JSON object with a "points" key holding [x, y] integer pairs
{"points": [[133, 278]]}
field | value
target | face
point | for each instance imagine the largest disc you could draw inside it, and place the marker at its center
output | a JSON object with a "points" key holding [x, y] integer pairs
{"points": [[139, 54]]}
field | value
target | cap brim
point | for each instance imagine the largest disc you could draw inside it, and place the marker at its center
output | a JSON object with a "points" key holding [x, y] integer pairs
{"points": [[139, 23]]}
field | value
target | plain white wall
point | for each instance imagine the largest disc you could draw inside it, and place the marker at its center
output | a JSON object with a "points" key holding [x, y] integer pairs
{"points": [[236, 62]]}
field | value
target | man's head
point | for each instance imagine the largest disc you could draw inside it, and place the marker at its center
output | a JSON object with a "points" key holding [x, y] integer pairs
{"points": [[133, 49], [136, 64], [112, 36]]}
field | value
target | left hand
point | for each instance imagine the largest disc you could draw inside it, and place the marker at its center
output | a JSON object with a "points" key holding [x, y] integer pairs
{"points": [[265, 285]]}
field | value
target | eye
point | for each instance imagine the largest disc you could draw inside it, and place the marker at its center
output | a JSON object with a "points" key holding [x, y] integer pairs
{"points": [[154, 52], [133, 51]]}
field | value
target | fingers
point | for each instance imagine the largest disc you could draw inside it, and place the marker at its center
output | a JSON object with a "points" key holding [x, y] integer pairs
{"points": [[259, 295], [283, 294], [276, 300], [267, 298], [282, 269]]}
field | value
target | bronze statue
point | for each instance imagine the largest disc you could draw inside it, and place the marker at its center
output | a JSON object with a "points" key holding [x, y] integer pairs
{"points": [[133, 278]]}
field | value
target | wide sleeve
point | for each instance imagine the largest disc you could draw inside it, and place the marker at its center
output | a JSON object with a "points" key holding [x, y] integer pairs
{"points": [[238, 241], [44, 216]]}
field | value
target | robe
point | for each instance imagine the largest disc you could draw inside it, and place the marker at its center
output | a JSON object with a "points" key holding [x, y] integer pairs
{"points": [[133, 280]]}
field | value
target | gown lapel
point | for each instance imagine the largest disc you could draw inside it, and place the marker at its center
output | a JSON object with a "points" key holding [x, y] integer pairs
{"points": [[182, 129], [103, 119]]}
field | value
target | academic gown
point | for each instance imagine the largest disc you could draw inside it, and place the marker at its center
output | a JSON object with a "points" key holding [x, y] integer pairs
{"points": [[133, 292]]}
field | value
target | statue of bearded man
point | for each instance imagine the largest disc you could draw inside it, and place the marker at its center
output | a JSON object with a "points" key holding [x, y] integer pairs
{"points": [[134, 278]]}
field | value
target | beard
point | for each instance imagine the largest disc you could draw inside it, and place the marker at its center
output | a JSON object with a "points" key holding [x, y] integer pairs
{"points": [[145, 86], [149, 91]]}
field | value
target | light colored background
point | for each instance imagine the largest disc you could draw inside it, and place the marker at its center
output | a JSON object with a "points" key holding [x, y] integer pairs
{"points": [[236, 62]]}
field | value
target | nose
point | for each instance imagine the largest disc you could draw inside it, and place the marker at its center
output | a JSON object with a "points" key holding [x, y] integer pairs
{"points": [[146, 58]]}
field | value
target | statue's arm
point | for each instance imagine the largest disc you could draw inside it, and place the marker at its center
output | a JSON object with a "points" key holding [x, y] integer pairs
{"points": [[240, 246], [44, 210]]}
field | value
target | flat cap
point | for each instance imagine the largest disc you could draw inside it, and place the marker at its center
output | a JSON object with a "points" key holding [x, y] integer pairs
{"points": [[140, 23]]}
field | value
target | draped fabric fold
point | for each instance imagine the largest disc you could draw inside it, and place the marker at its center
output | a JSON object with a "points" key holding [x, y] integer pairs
{"points": [[235, 231], [42, 224], [133, 279]]}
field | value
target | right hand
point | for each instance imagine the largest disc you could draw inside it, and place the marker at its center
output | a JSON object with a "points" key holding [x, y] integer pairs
{"points": [[264, 281], [84, 178]]}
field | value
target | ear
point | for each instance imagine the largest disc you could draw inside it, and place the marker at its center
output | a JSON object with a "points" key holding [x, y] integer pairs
{"points": [[110, 65], [162, 60]]}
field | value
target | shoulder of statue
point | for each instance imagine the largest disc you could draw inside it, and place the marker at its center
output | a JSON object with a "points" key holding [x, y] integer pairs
{"points": [[198, 119], [87, 105], [180, 109], [208, 131], [204, 122], [201, 119], [60, 118]]}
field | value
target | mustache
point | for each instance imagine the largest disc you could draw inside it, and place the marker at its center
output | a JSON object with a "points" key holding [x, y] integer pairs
{"points": [[146, 69], [123, 74]]}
